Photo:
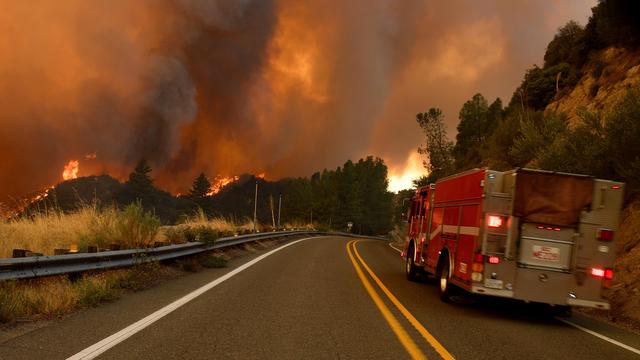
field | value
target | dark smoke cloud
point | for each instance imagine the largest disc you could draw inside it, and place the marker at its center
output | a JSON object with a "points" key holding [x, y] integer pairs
{"points": [[226, 87]]}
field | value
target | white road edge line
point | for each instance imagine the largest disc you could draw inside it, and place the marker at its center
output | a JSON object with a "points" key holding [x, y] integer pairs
{"points": [[395, 248], [113, 340], [598, 335]]}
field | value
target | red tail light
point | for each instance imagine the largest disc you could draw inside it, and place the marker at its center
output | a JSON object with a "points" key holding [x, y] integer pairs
{"points": [[494, 221], [494, 260], [478, 258], [605, 235], [597, 272], [608, 274]]}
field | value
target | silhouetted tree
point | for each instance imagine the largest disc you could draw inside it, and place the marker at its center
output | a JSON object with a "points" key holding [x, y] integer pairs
{"points": [[201, 187], [438, 148]]}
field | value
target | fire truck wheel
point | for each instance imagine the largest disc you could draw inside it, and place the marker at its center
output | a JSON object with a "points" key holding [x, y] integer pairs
{"points": [[445, 289], [410, 268]]}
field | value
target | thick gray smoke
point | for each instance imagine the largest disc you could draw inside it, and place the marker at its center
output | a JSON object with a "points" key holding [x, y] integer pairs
{"points": [[227, 87]]}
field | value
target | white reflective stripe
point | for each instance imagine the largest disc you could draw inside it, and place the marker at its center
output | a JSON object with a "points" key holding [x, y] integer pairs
{"points": [[435, 232], [462, 230], [451, 229], [598, 335], [469, 230]]}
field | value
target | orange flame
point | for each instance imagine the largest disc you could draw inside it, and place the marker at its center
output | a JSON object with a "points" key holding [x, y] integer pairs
{"points": [[261, 175], [220, 182], [71, 170]]}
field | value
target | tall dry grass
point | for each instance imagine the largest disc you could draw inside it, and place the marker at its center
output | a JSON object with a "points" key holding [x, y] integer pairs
{"points": [[43, 232], [58, 295]]}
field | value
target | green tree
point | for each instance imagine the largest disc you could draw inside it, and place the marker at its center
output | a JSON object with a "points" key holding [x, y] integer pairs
{"points": [[477, 122], [561, 48], [623, 139], [536, 134], [438, 148], [580, 149]]}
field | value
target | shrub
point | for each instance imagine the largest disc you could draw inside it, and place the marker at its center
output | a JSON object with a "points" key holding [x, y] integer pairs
{"points": [[135, 227]]}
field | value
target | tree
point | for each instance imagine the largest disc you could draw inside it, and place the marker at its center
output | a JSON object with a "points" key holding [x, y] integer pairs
{"points": [[139, 180], [438, 148], [200, 188], [536, 134], [472, 131], [623, 139], [562, 47]]}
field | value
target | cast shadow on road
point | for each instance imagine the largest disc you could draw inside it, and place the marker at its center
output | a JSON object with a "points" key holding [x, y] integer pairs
{"points": [[480, 306]]}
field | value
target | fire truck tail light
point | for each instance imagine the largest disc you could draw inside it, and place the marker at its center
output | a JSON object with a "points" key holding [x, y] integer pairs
{"points": [[494, 260], [476, 267], [476, 276], [494, 221], [608, 274], [605, 235], [597, 272], [478, 258]]}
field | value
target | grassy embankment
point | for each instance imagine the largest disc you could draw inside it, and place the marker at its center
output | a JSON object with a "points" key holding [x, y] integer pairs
{"points": [[131, 227]]}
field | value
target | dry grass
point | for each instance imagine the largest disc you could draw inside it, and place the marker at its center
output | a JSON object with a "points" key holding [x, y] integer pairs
{"points": [[46, 231], [55, 296]]}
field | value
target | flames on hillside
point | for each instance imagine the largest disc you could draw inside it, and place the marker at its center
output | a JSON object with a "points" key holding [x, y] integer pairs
{"points": [[220, 182], [71, 170]]}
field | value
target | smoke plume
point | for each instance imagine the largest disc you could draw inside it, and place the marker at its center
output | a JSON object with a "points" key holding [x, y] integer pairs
{"points": [[227, 87]]}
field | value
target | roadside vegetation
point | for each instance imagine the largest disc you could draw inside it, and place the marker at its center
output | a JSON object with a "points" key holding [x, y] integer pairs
{"points": [[55, 296]]}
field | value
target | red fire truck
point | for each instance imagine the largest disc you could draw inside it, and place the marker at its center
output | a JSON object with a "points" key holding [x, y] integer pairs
{"points": [[525, 234]]}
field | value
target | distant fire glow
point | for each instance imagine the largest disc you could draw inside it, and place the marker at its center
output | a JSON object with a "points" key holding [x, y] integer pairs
{"points": [[71, 170], [402, 178], [220, 182]]}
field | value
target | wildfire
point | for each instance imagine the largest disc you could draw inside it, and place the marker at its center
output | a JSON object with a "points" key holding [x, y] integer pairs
{"points": [[261, 175], [219, 182], [71, 170], [401, 177]]}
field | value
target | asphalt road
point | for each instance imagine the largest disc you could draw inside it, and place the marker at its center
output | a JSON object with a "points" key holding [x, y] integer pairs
{"points": [[315, 299]]}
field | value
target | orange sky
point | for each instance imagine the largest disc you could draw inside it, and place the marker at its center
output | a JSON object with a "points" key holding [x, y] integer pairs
{"points": [[282, 86]]}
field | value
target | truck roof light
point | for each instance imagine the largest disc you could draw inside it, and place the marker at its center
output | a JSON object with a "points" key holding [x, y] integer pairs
{"points": [[597, 272], [615, 187], [494, 221], [605, 234]]}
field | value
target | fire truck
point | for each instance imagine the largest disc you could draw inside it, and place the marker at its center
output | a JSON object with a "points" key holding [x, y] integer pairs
{"points": [[531, 235]]}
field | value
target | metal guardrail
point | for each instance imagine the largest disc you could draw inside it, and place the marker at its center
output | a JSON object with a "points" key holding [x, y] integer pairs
{"points": [[39, 266]]}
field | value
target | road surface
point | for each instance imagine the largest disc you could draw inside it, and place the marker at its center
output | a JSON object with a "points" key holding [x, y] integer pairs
{"points": [[321, 298]]}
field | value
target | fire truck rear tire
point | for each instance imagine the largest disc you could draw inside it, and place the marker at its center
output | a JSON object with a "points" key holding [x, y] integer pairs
{"points": [[445, 288], [411, 270]]}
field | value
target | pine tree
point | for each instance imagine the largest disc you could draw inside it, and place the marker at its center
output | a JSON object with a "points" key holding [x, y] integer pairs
{"points": [[139, 180], [201, 187]]}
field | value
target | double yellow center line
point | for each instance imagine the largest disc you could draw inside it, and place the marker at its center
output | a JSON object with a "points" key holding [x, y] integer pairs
{"points": [[411, 347]]}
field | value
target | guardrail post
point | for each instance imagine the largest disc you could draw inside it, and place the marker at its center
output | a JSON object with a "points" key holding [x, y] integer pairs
{"points": [[18, 253], [60, 251], [92, 249]]}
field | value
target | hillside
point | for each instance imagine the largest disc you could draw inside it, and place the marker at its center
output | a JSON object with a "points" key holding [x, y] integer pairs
{"points": [[607, 77]]}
